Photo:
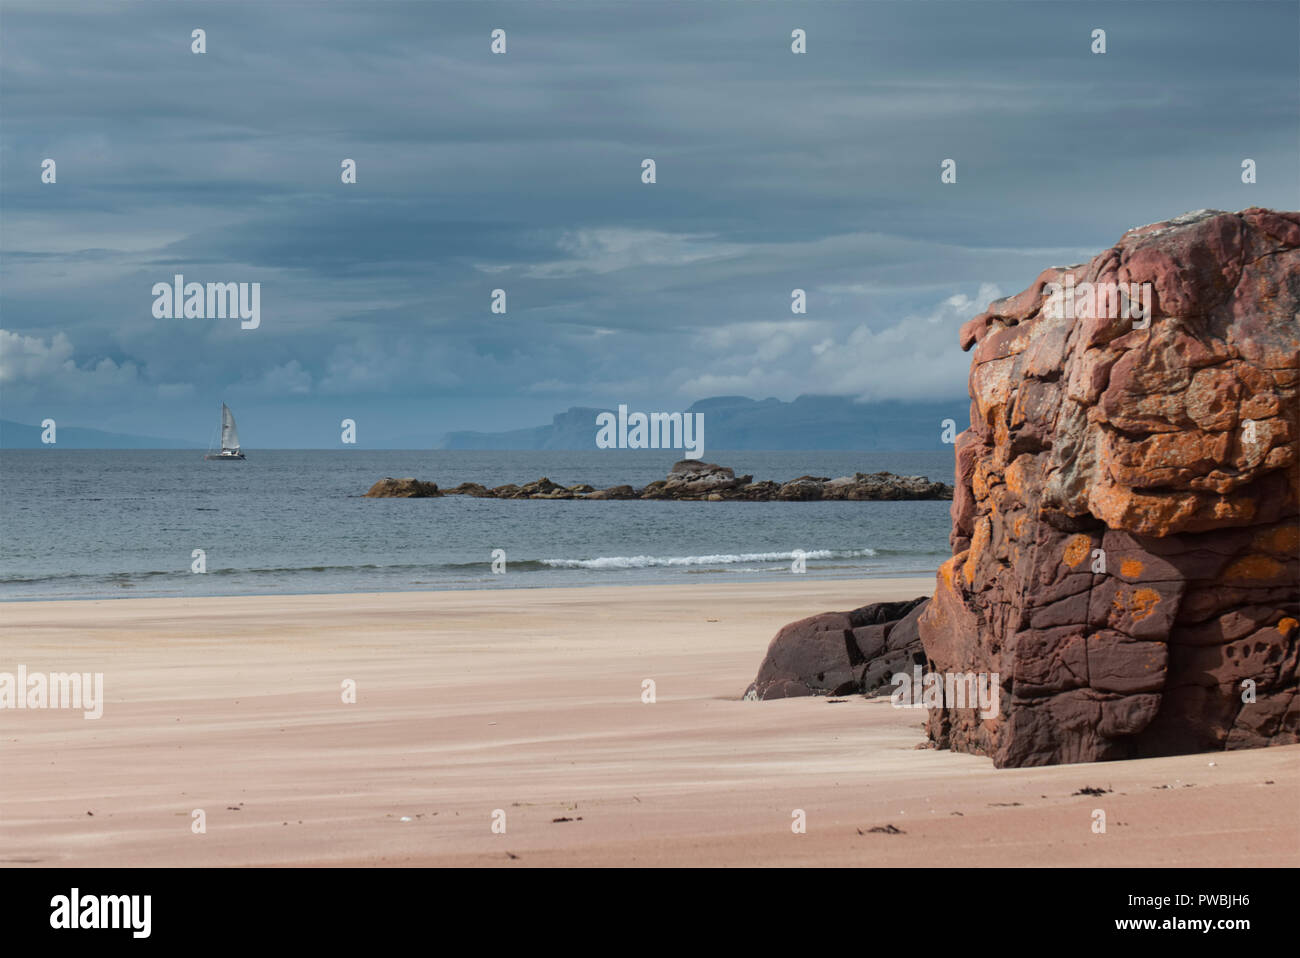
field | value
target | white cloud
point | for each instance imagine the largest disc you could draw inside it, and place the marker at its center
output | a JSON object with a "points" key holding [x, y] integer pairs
{"points": [[286, 379], [31, 366], [392, 366], [916, 357], [610, 249], [31, 359]]}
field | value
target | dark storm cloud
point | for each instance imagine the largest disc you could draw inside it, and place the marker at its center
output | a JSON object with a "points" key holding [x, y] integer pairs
{"points": [[521, 172]]}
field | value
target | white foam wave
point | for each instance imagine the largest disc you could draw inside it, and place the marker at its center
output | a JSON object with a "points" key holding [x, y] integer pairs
{"points": [[725, 558]]}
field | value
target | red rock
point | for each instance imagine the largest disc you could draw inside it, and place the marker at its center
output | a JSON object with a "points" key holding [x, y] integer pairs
{"points": [[840, 652], [1126, 519]]}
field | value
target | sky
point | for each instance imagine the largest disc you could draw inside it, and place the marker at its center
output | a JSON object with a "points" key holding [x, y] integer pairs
{"points": [[522, 171]]}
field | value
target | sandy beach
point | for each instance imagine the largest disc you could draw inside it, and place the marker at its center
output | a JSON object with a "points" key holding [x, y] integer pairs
{"points": [[530, 702]]}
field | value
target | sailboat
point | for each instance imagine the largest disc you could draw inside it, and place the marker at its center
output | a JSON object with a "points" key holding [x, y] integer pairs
{"points": [[229, 438]]}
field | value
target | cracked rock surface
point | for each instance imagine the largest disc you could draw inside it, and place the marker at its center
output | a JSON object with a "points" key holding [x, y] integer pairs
{"points": [[1125, 518]]}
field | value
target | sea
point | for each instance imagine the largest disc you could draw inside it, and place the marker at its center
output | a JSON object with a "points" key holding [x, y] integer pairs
{"points": [[96, 524]]}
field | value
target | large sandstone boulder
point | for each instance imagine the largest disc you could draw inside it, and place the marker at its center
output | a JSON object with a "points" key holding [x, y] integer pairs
{"points": [[837, 653], [1125, 534]]}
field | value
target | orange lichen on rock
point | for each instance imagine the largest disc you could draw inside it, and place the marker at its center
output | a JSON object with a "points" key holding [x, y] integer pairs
{"points": [[1284, 539], [1078, 549], [1253, 567], [1015, 477], [946, 574], [1138, 603], [977, 546]]}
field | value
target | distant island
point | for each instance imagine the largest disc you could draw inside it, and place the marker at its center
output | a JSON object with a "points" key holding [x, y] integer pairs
{"points": [[17, 435], [736, 422], [731, 422]]}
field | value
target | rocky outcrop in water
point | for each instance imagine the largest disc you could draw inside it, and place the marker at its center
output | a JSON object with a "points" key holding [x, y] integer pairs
{"points": [[693, 480], [403, 489], [1125, 523]]}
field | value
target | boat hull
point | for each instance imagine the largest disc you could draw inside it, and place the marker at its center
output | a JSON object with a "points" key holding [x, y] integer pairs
{"points": [[235, 458]]}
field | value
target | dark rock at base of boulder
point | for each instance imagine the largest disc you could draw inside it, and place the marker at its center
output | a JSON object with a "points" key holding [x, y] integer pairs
{"points": [[407, 488], [900, 644], [837, 653]]}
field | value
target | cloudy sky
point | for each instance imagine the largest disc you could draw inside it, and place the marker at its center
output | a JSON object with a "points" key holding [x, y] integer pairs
{"points": [[522, 171]]}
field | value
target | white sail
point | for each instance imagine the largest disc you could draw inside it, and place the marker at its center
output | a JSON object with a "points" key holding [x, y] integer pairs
{"points": [[229, 434]]}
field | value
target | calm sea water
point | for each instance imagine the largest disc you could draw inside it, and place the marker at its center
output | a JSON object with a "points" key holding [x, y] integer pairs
{"points": [[96, 524]]}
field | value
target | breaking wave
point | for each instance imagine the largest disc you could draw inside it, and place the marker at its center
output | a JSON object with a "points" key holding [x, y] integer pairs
{"points": [[725, 558]]}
